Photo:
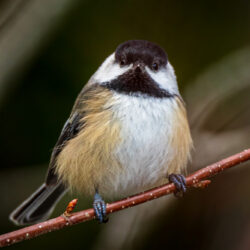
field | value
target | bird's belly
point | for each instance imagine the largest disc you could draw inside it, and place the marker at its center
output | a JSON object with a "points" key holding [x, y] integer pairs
{"points": [[145, 148], [127, 145], [144, 162]]}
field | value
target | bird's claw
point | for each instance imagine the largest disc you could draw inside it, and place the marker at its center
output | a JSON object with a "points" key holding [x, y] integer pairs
{"points": [[180, 183], [99, 206]]}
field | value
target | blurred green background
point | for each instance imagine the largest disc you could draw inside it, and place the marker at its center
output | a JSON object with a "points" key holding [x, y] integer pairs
{"points": [[49, 50]]}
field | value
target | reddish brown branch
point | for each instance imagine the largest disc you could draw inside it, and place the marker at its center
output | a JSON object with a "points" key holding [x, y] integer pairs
{"points": [[196, 179]]}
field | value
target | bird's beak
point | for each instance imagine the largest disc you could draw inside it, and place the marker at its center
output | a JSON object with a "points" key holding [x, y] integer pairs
{"points": [[139, 67]]}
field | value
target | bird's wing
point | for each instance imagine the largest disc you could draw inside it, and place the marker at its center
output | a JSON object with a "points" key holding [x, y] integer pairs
{"points": [[69, 131], [41, 203]]}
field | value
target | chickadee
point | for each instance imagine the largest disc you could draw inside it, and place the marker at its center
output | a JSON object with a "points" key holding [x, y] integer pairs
{"points": [[127, 132]]}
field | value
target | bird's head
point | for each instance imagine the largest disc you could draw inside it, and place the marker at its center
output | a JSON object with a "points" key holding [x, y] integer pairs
{"points": [[138, 67]]}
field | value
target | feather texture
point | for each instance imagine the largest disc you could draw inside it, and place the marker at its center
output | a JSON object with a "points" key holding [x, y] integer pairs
{"points": [[87, 160], [127, 143]]}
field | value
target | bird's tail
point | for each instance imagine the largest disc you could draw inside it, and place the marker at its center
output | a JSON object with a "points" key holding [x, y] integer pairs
{"points": [[39, 205]]}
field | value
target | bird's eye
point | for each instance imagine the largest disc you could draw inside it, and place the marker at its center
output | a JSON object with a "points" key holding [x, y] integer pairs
{"points": [[122, 62], [155, 66]]}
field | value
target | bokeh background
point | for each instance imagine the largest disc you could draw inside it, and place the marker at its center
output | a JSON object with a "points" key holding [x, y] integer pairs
{"points": [[50, 48]]}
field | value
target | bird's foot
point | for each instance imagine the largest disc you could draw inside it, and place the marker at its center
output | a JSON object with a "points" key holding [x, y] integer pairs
{"points": [[180, 183], [99, 206]]}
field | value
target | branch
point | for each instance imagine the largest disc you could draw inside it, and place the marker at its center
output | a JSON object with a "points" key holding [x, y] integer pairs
{"points": [[196, 179]]}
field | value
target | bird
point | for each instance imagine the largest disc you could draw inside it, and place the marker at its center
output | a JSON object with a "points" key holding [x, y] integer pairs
{"points": [[128, 131]]}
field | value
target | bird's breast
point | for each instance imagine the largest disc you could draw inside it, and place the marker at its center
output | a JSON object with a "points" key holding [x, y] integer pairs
{"points": [[145, 148], [128, 143]]}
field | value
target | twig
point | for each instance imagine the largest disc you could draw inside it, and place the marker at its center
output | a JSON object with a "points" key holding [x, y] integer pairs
{"points": [[195, 179]]}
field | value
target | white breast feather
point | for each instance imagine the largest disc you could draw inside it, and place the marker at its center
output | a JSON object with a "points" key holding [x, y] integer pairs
{"points": [[146, 129]]}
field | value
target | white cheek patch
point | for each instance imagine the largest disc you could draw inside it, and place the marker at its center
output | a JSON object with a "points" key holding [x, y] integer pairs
{"points": [[165, 78], [109, 70]]}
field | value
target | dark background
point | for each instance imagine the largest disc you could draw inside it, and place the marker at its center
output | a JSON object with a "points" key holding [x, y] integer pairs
{"points": [[47, 54]]}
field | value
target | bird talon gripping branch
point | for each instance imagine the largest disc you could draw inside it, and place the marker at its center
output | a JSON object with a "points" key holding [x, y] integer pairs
{"points": [[99, 206], [180, 183]]}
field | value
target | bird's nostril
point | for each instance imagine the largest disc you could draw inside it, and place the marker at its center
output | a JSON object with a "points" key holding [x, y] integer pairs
{"points": [[138, 68]]}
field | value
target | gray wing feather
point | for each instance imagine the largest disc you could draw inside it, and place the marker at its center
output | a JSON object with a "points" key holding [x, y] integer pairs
{"points": [[69, 131]]}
